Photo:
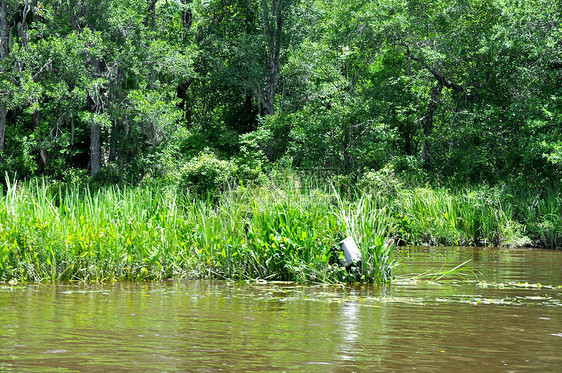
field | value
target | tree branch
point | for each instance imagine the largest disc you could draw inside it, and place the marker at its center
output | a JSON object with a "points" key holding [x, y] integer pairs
{"points": [[41, 69], [434, 71]]}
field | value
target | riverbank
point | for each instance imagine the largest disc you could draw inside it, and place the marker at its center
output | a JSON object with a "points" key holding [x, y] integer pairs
{"points": [[283, 229]]}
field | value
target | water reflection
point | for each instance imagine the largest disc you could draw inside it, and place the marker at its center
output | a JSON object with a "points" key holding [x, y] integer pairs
{"points": [[350, 329]]}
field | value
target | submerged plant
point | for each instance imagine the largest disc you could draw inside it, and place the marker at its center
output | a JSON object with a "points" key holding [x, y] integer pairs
{"points": [[459, 272]]}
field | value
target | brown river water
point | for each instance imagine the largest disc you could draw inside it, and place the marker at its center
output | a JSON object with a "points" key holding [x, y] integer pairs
{"points": [[507, 319]]}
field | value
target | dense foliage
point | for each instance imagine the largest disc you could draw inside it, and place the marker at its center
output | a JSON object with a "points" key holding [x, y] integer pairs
{"points": [[450, 92]]}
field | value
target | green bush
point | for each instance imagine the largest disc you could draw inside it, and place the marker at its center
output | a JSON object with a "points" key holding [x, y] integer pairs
{"points": [[383, 181], [251, 160], [206, 173]]}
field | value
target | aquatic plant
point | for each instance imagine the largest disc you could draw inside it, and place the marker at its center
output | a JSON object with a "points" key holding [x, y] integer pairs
{"points": [[60, 232], [369, 222], [282, 229], [542, 211], [461, 272], [466, 217]]}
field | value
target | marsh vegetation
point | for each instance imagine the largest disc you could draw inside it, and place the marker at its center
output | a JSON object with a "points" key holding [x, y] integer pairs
{"points": [[280, 229]]}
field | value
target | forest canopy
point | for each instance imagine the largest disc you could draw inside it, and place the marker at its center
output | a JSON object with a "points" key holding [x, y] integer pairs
{"points": [[442, 91]]}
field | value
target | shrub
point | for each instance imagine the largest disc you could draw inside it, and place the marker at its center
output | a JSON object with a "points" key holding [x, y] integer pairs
{"points": [[206, 173], [383, 181], [251, 160]]}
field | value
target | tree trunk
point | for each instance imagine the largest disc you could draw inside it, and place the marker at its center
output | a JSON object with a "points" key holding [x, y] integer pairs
{"points": [[250, 124], [187, 17], [22, 27], [3, 114], [181, 92], [346, 155], [3, 30], [3, 55], [72, 131], [97, 106], [113, 142], [273, 34], [43, 153], [428, 123], [95, 149], [152, 12]]}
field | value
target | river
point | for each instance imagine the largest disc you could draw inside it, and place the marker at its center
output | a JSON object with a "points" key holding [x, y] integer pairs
{"points": [[506, 317]]}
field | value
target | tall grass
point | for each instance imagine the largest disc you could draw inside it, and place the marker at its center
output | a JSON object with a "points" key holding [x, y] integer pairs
{"points": [[265, 232], [281, 230], [368, 219], [542, 213], [466, 217]]}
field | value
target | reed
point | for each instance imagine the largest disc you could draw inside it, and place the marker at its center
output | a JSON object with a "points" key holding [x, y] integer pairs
{"points": [[62, 233], [542, 212], [283, 229], [465, 217], [461, 272]]}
